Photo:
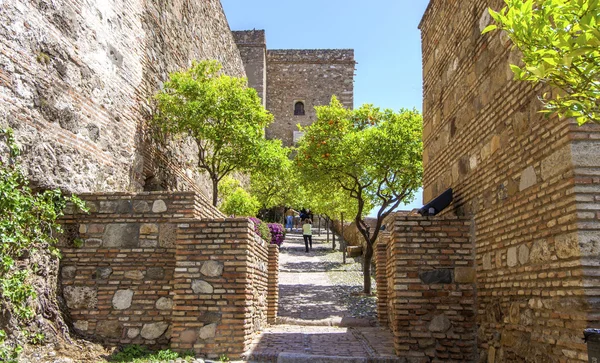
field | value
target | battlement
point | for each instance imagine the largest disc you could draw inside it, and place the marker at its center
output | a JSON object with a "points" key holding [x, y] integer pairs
{"points": [[250, 37], [311, 56]]}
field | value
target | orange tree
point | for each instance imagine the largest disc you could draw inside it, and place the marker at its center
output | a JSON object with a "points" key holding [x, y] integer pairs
{"points": [[373, 155], [222, 114]]}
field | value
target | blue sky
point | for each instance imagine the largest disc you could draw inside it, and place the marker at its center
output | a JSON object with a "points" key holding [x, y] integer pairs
{"points": [[383, 34]]}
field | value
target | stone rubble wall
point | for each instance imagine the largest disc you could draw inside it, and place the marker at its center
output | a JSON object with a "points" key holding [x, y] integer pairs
{"points": [[426, 288], [310, 76], [530, 183], [76, 81], [273, 284], [163, 270], [253, 50]]}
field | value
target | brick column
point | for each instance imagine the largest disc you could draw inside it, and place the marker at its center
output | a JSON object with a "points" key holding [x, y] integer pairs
{"points": [[432, 303], [273, 284], [381, 277], [220, 282]]}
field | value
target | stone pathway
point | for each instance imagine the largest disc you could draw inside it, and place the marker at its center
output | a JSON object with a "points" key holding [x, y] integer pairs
{"points": [[315, 322]]}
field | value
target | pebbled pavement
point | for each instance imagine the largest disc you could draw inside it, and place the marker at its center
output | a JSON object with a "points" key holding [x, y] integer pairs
{"points": [[314, 323]]}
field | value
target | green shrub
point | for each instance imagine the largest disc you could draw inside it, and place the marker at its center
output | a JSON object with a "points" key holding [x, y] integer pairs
{"points": [[240, 203], [27, 229]]}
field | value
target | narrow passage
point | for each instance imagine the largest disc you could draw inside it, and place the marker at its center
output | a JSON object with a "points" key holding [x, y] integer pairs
{"points": [[322, 314]]}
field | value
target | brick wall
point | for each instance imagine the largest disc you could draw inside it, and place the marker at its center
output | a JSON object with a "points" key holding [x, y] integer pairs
{"points": [[165, 270], [529, 184], [310, 76], [273, 284], [426, 288], [76, 82]]}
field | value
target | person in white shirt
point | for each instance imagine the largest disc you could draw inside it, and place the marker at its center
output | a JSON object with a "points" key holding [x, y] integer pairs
{"points": [[307, 233]]}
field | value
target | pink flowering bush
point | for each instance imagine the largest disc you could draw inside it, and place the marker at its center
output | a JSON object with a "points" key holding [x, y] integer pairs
{"points": [[277, 233]]}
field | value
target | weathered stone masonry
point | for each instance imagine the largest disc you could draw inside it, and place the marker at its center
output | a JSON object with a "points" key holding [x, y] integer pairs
{"points": [[76, 80], [165, 270], [530, 185]]}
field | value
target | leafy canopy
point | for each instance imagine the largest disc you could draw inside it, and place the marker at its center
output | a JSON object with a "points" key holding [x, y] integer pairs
{"points": [[273, 182], [224, 116], [560, 43], [373, 155]]}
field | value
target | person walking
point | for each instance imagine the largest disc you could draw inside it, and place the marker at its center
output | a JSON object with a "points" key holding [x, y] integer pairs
{"points": [[307, 233], [289, 219]]}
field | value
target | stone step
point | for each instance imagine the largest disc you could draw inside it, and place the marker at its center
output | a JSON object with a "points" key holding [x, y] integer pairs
{"points": [[284, 357]]}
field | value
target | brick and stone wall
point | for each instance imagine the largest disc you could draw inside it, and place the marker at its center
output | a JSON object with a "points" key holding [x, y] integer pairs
{"points": [[76, 81], [309, 76], [165, 270], [530, 184], [426, 288], [253, 50]]}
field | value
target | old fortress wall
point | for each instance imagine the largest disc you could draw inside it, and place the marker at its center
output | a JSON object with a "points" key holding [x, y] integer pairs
{"points": [[76, 81], [530, 184]]}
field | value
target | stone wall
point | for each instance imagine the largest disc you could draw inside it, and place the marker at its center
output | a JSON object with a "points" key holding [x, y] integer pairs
{"points": [[310, 76], [76, 82], [530, 184], [427, 291], [162, 269], [253, 49]]}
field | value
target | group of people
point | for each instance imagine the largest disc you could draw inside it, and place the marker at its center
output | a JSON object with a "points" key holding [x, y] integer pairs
{"points": [[305, 218]]}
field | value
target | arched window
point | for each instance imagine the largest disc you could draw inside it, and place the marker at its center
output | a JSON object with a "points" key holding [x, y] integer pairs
{"points": [[299, 108]]}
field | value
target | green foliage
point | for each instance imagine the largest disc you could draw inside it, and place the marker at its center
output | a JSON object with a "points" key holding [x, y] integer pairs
{"points": [[273, 182], [8, 353], [224, 116], [240, 203], [27, 224], [373, 156], [223, 358], [139, 354], [560, 43]]}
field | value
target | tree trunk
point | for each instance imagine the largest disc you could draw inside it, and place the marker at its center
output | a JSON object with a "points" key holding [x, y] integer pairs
{"points": [[367, 267], [215, 187]]}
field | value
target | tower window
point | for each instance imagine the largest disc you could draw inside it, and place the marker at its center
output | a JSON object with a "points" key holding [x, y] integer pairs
{"points": [[299, 108]]}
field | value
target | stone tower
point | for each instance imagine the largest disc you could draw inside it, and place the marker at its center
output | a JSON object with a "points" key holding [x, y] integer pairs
{"points": [[292, 82]]}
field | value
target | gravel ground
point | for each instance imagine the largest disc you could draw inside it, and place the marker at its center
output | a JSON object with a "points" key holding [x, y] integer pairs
{"points": [[348, 285]]}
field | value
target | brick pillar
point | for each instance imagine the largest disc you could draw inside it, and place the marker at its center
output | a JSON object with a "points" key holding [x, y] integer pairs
{"points": [[273, 284], [381, 277], [432, 303], [214, 287]]}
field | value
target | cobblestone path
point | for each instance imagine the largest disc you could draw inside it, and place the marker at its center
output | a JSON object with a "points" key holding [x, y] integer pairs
{"points": [[322, 317]]}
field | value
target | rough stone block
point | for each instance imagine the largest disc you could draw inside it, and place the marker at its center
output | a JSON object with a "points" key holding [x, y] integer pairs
{"points": [[122, 299], [189, 336], [121, 235], [153, 330], [159, 206], [133, 332], [511, 257], [540, 252], [523, 253], [556, 162], [167, 235], [566, 245], [149, 228], [109, 329], [439, 276], [134, 275], [439, 324], [208, 331], [155, 273], [115, 206], [68, 272], [528, 178], [80, 297], [201, 287], [103, 273], [81, 325], [164, 303], [141, 206], [464, 275], [212, 268]]}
